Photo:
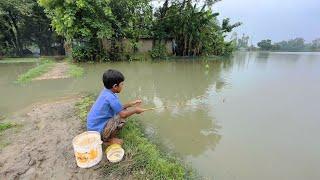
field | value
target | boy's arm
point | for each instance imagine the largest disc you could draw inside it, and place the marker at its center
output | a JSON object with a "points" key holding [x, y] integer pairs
{"points": [[132, 103], [123, 110], [130, 111]]}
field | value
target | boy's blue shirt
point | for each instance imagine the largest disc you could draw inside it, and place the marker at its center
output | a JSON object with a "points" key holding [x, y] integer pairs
{"points": [[106, 106]]}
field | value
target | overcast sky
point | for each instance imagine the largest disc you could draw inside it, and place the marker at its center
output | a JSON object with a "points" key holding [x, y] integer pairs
{"points": [[274, 19]]}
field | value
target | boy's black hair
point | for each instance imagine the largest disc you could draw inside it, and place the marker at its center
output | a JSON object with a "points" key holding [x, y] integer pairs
{"points": [[112, 77]]}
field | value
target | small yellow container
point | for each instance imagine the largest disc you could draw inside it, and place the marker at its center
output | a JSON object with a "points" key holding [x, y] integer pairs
{"points": [[114, 153]]}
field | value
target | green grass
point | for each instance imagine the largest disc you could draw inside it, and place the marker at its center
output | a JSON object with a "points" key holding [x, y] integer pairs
{"points": [[44, 66], [75, 71], [6, 125], [19, 60], [143, 159], [83, 107]]}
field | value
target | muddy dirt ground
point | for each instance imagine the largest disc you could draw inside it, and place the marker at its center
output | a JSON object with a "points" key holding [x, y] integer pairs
{"points": [[59, 71], [42, 147]]}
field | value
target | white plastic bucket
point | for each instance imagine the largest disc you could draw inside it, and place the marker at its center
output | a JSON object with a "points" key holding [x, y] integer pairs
{"points": [[87, 149]]}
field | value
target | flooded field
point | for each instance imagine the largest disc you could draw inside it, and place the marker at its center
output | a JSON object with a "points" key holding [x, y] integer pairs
{"points": [[253, 116]]}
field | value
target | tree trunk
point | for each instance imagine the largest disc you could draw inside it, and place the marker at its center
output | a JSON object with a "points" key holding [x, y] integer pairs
{"points": [[190, 46], [16, 32], [185, 45], [45, 47]]}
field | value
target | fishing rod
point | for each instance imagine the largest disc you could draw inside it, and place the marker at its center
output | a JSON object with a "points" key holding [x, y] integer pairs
{"points": [[181, 104], [166, 107]]}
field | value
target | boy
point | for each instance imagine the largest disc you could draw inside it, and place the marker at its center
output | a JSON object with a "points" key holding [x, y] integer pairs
{"points": [[107, 115]]}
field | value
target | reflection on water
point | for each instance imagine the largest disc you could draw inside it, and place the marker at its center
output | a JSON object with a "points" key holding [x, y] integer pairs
{"points": [[189, 132], [262, 56], [253, 116]]}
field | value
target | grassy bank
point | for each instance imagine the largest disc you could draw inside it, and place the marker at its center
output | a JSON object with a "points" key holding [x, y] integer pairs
{"points": [[6, 125], [143, 160], [19, 60], [45, 65]]}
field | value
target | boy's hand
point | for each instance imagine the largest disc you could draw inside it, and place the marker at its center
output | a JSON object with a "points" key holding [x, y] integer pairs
{"points": [[136, 102], [139, 110]]}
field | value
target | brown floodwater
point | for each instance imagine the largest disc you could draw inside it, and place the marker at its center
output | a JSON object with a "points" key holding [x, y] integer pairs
{"points": [[252, 116]]}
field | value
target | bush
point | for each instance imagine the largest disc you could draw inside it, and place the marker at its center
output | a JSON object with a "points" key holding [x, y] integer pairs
{"points": [[88, 50], [159, 51], [6, 51], [83, 52]]}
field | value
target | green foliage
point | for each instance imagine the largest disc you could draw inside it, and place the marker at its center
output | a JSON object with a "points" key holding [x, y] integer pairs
{"points": [[315, 45], [133, 19], [83, 52], [92, 21], [12, 16], [297, 44], [44, 66], [24, 24], [3, 127], [265, 44], [143, 160], [240, 43], [80, 18], [159, 51], [84, 106], [6, 125], [85, 23], [195, 30]]}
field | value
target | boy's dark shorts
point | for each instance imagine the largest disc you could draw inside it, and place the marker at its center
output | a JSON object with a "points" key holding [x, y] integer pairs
{"points": [[113, 125]]}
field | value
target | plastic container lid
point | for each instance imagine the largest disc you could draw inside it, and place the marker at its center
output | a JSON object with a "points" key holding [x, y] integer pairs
{"points": [[114, 153]]}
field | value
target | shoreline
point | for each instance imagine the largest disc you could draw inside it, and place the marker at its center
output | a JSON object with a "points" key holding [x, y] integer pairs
{"points": [[50, 69], [42, 138], [143, 159]]}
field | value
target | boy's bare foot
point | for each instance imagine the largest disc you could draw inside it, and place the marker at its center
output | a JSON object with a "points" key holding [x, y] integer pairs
{"points": [[114, 141]]}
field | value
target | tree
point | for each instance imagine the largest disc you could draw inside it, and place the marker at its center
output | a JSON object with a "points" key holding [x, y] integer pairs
{"points": [[39, 32], [22, 24], [195, 30], [315, 45], [132, 20], [243, 42], [296, 44], [85, 23], [265, 44], [12, 13]]}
